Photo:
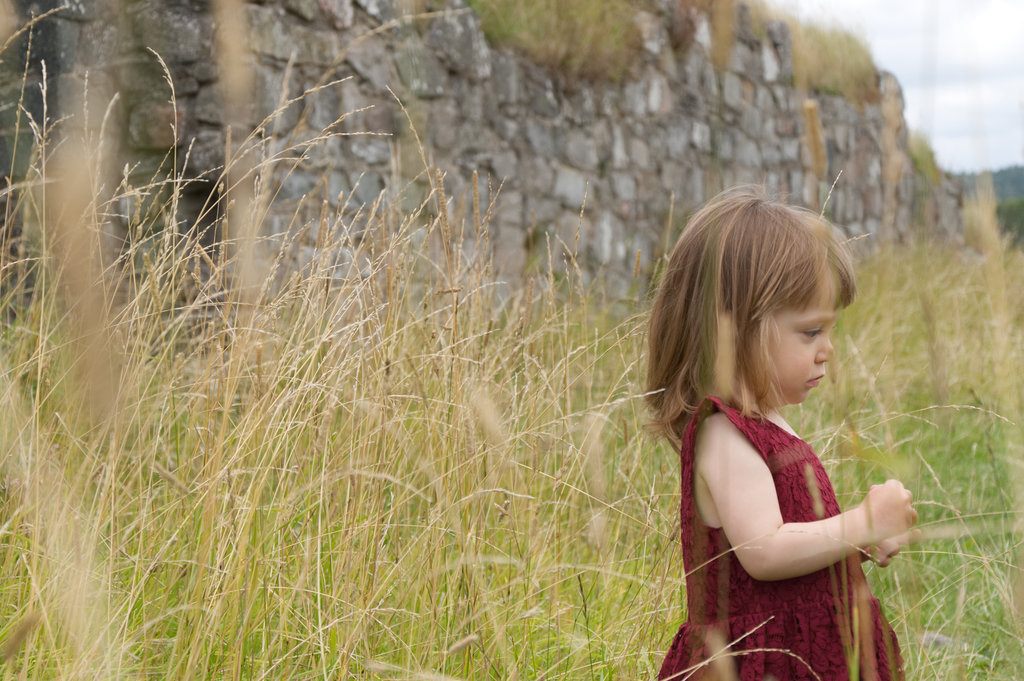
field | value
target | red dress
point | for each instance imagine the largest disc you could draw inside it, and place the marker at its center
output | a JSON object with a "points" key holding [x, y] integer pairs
{"points": [[824, 625]]}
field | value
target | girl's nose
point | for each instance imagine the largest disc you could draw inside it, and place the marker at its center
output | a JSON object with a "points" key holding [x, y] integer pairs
{"points": [[825, 350]]}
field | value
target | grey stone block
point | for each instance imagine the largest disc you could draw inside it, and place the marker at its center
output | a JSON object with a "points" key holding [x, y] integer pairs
{"points": [[634, 97], [171, 31], [620, 155], [366, 187], [270, 97], [748, 153], [206, 154], [640, 154], [732, 91], [724, 144], [505, 83], [537, 175], [155, 125], [677, 140], [623, 186], [673, 177], [307, 9], [444, 125], [298, 185], [607, 243], [99, 44], [571, 187], [581, 105], [752, 122], [540, 94], [458, 39], [370, 60], [381, 10], [659, 95], [701, 136], [323, 108], [542, 138], [371, 149], [504, 165], [581, 150], [540, 210], [420, 70], [339, 13], [779, 36], [208, 108]]}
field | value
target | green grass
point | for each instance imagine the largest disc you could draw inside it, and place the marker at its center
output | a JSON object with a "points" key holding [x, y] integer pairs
{"points": [[918, 397]]}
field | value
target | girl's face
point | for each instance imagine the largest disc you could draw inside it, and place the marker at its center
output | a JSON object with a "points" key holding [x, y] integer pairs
{"points": [[799, 349]]}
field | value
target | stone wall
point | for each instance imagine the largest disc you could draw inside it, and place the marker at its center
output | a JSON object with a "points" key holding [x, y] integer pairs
{"points": [[630, 154]]}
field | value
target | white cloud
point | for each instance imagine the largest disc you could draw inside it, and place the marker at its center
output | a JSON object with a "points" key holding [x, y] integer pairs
{"points": [[959, 62]]}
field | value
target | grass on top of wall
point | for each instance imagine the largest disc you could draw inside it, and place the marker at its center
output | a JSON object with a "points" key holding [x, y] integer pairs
{"points": [[833, 60], [581, 38], [600, 40], [827, 58]]}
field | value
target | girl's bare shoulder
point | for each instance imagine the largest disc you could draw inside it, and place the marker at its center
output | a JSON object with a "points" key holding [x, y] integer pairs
{"points": [[719, 441], [717, 430]]}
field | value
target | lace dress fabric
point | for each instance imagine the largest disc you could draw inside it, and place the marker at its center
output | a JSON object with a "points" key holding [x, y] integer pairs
{"points": [[823, 625]]}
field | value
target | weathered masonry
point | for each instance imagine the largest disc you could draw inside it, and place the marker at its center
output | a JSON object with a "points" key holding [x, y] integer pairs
{"points": [[664, 138]]}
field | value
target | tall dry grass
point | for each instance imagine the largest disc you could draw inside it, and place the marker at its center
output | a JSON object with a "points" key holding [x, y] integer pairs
{"points": [[215, 467]]}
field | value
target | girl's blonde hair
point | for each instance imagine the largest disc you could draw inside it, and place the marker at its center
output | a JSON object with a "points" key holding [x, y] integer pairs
{"points": [[742, 258]]}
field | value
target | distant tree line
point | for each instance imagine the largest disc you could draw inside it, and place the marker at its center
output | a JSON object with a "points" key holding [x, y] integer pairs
{"points": [[1008, 184], [1011, 218]]}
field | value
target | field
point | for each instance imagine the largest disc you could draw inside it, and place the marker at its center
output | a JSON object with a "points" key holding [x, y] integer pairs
{"points": [[393, 466], [394, 472]]}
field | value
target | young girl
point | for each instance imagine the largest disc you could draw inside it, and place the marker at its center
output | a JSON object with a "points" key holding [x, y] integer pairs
{"points": [[741, 327]]}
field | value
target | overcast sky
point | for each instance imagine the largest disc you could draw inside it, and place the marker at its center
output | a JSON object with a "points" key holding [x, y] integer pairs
{"points": [[961, 65]]}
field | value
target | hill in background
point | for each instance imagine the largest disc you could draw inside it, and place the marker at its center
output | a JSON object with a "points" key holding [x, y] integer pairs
{"points": [[1008, 182]]}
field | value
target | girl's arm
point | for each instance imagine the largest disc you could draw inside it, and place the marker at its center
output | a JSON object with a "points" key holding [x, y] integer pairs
{"points": [[735, 491]]}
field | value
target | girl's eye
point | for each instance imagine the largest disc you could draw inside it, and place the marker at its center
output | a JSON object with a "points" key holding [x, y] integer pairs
{"points": [[812, 333]]}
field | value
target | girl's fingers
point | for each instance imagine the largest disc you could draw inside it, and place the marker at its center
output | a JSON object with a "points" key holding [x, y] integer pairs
{"points": [[882, 555]]}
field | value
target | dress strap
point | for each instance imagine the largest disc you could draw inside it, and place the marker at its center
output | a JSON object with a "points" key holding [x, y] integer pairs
{"points": [[705, 408], [687, 449]]}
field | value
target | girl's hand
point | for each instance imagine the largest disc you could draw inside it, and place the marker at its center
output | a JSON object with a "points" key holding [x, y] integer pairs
{"points": [[889, 511], [882, 552]]}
